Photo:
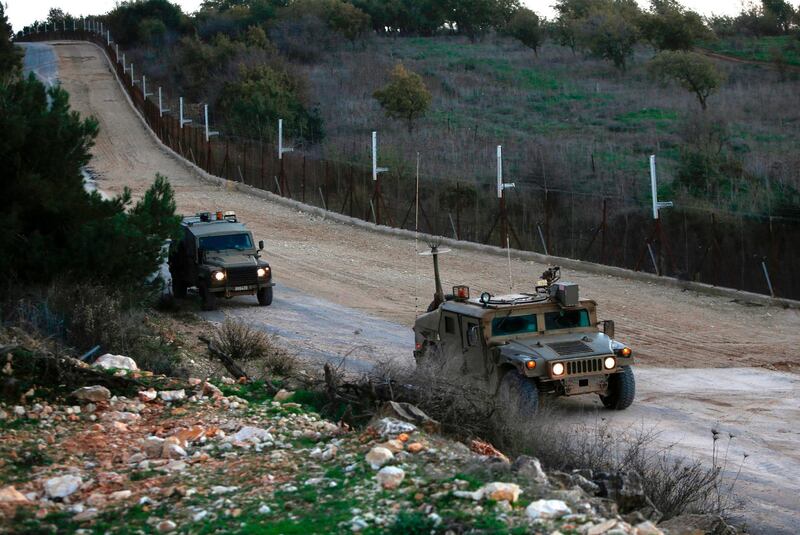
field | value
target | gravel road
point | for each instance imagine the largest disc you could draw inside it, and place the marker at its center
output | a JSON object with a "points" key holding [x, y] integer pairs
{"points": [[705, 362]]}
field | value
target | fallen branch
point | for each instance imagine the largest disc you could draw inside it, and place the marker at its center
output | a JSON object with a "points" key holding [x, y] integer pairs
{"points": [[234, 369]]}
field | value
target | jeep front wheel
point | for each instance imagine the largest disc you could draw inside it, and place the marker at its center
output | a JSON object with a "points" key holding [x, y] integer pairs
{"points": [[518, 396], [178, 288], [621, 390], [208, 301], [264, 296]]}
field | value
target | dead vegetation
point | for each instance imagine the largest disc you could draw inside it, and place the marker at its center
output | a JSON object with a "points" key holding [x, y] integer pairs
{"points": [[234, 342]]}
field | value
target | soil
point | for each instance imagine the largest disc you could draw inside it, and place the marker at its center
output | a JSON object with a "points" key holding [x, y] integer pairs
{"points": [[676, 335]]}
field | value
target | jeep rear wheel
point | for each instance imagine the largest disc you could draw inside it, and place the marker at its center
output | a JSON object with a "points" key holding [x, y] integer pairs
{"points": [[621, 390], [208, 301], [518, 395], [178, 288], [264, 296]]}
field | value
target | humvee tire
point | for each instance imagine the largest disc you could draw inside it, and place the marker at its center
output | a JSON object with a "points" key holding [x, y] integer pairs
{"points": [[178, 288], [208, 301], [621, 390], [264, 296], [518, 394]]}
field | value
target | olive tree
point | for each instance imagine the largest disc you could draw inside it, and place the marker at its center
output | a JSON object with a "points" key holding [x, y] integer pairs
{"points": [[526, 27], [692, 71], [405, 96], [609, 34]]}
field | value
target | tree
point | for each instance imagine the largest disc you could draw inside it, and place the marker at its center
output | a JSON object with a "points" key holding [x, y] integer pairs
{"points": [[474, 17], [570, 14], [348, 20], [404, 97], [126, 20], [53, 228], [525, 27], [780, 11], [253, 104], [692, 71], [609, 34], [669, 26], [10, 54]]}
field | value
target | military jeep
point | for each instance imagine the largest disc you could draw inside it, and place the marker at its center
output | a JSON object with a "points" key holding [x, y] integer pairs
{"points": [[518, 347], [218, 256]]}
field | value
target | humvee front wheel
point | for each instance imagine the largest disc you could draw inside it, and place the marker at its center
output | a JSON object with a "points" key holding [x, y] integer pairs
{"points": [[264, 296], [621, 390], [208, 301], [518, 395]]}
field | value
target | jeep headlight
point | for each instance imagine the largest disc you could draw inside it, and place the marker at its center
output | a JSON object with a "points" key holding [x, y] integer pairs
{"points": [[219, 276], [558, 369], [262, 272]]}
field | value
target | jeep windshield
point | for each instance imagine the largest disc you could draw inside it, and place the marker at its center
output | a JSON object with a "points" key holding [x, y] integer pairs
{"points": [[238, 242], [566, 319]]}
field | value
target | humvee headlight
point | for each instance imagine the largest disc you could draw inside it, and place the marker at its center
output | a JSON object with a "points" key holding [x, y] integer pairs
{"points": [[558, 369], [219, 276], [262, 272], [610, 363]]}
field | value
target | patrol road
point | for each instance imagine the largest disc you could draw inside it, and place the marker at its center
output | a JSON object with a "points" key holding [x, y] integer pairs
{"points": [[704, 362]]}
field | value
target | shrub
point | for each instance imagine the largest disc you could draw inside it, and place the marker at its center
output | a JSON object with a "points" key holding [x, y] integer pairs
{"points": [[405, 96], [244, 343]]}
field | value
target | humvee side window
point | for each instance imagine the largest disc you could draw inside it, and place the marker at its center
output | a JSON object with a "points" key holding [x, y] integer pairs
{"points": [[566, 319], [227, 241], [473, 334], [508, 325], [449, 324]]}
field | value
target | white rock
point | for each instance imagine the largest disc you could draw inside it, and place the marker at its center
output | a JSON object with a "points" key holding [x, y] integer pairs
{"points": [[264, 509], [220, 489], [390, 477], [120, 495], [200, 516], [499, 492], [329, 453], [120, 416], [119, 362], [153, 446], [19, 410], [147, 395], [62, 486], [378, 456], [166, 526], [393, 426], [172, 395], [250, 434], [283, 395], [92, 393], [647, 528], [172, 451], [3, 415], [547, 509]]}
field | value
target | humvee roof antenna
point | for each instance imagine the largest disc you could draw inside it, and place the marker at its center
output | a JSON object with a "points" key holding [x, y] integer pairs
{"points": [[438, 296], [416, 237]]}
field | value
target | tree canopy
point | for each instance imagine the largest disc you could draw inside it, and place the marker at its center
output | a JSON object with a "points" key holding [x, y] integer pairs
{"points": [[692, 71], [405, 96]]}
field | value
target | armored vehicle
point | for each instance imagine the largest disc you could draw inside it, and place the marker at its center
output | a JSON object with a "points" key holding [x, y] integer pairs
{"points": [[217, 254], [520, 346]]}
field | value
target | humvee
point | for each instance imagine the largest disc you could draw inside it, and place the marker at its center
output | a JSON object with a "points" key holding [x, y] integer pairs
{"points": [[520, 346], [217, 255]]}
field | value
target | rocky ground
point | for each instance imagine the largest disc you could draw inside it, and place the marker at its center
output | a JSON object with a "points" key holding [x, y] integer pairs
{"points": [[198, 456]]}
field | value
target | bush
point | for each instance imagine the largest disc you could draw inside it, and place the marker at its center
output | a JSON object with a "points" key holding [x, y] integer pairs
{"points": [[245, 344], [405, 96]]}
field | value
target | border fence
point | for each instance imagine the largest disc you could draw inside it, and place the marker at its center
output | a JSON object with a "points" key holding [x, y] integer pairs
{"points": [[751, 252]]}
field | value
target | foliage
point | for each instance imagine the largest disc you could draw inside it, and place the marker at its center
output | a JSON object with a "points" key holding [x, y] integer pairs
{"points": [[260, 96], [610, 33], [348, 20], [669, 26], [526, 27], [199, 64], [52, 225], [10, 54], [132, 21], [405, 96], [474, 17], [692, 71]]}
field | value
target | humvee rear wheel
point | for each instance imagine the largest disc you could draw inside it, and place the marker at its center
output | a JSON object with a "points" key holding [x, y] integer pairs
{"points": [[264, 296], [208, 301], [621, 390], [518, 395], [178, 288]]}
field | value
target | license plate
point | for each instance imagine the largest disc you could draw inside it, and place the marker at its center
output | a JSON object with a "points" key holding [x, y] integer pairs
{"points": [[240, 288]]}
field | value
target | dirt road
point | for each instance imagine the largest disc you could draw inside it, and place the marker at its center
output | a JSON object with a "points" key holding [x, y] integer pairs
{"points": [[357, 275]]}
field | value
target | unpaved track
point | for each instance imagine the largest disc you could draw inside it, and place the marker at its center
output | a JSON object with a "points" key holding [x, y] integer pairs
{"points": [[362, 274]]}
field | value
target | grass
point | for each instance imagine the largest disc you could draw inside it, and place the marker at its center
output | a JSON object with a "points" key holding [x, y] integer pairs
{"points": [[759, 48]]}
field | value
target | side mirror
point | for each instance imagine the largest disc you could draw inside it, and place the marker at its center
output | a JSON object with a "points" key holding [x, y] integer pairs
{"points": [[608, 328], [260, 245], [472, 335]]}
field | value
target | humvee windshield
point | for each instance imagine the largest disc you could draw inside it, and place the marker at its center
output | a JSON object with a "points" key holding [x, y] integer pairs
{"points": [[566, 319], [508, 325], [227, 241]]}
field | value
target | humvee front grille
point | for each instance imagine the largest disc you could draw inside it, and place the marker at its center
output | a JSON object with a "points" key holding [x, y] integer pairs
{"points": [[242, 276], [575, 347], [582, 366]]}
